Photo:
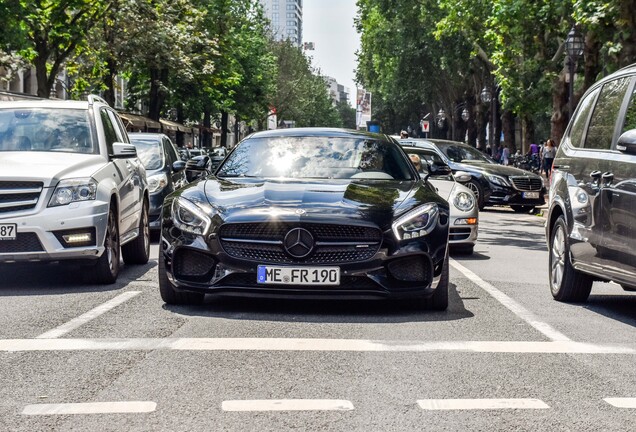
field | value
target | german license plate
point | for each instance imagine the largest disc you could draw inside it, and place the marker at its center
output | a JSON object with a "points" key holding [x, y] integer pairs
{"points": [[531, 195], [298, 275], [8, 231]]}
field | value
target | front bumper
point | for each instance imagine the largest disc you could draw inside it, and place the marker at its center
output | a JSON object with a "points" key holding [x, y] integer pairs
{"points": [[510, 196]]}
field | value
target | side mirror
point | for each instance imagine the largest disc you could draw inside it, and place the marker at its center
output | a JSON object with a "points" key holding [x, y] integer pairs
{"points": [[178, 166], [627, 142], [438, 170], [462, 177], [124, 150], [198, 163]]}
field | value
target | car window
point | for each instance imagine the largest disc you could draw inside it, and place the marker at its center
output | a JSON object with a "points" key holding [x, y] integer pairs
{"points": [[171, 152], [603, 122], [46, 129], [120, 130], [109, 129], [461, 153], [317, 157], [149, 152], [580, 121], [630, 115]]}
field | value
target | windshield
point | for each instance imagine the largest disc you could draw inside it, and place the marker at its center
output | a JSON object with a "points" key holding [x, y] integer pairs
{"points": [[46, 130], [149, 151], [317, 157], [462, 153]]}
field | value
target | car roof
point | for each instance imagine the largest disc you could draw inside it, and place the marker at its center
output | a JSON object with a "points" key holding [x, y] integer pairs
{"points": [[318, 132], [45, 103]]}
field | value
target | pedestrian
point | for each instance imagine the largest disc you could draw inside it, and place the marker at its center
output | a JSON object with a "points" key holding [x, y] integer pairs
{"points": [[547, 157], [505, 155]]}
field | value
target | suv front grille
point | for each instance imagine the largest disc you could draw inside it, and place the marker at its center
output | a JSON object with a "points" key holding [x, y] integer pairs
{"points": [[334, 244], [19, 195], [527, 183], [24, 242]]}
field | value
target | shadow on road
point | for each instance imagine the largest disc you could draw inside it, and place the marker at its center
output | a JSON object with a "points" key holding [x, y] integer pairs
{"points": [[617, 307], [323, 311]]}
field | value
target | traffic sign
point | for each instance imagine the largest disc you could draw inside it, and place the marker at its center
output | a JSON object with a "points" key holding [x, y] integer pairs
{"points": [[425, 126]]}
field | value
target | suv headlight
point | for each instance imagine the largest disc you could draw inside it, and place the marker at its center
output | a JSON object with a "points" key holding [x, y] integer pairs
{"points": [[189, 217], [73, 190], [464, 201], [416, 223], [157, 182], [498, 180]]}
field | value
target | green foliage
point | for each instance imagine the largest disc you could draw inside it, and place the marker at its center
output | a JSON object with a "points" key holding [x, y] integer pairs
{"points": [[347, 114]]}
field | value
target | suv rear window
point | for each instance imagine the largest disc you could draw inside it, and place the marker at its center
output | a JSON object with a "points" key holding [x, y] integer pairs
{"points": [[603, 122]]}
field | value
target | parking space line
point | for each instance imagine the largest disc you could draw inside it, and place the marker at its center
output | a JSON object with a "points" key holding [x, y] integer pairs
{"points": [[91, 408], [88, 316], [621, 402], [480, 404], [523, 313], [319, 345], [287, 405]]}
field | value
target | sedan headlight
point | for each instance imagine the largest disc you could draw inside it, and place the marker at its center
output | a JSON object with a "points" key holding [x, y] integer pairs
{"points": [[416, 223], [157, 182], [189, 217], [73, 190], [498, 180], [464, 201]]}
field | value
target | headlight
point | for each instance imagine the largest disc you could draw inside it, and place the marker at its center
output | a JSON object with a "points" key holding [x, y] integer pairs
{"points": [[73, 190], [416, 223], [157, 182], [188, 217], [464, 201], [498, 180]]}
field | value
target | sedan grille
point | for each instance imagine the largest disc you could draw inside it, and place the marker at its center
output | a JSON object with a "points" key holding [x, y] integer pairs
{"points": [[24, 242], [527, 183], [332, 244], [19, 195]]}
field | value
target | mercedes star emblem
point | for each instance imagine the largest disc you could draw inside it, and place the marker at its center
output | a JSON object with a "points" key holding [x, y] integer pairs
{"points": [[299, 242]]}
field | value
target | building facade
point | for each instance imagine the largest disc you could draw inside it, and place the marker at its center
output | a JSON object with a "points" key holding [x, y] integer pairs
{"points": [[338, 92], [286, 17]]}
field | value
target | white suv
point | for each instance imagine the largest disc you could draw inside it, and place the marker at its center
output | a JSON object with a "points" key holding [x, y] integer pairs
{"points": [[71, 187]]}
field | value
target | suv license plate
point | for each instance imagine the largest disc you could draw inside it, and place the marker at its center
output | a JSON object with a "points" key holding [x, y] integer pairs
{"points": [[8, 231], [298, 275], [531, 195]]}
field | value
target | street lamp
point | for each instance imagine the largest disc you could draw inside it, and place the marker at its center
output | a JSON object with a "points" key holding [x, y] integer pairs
{"points": [[574, 45], [486, 96], [441, 118], [465, 114]]}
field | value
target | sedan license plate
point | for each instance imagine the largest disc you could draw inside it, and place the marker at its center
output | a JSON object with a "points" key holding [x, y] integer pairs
{"points": [[8, 231], [298, 275], [531, 195]]}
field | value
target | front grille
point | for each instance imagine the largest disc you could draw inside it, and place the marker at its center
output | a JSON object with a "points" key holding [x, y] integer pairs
{"points": [[192, 265], [456, 234], [411, 269], [19, 195], [527, 183], [346, 243], [24, 242], [248, 280]]}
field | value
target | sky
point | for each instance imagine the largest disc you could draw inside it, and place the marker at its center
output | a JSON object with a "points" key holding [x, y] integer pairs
{"points": [[329, 24]]}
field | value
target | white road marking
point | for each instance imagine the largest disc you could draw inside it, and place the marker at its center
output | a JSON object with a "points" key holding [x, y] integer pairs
{"points": [[90, 408], [291, 344], [287, 405], [512, 305], [88, 316], [621, 402], [480, 404]]}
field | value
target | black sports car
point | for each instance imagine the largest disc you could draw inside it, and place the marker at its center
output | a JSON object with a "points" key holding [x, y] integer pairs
{"points": [[311, 213]]}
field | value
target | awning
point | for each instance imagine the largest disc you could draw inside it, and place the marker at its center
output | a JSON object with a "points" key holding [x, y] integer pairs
{"points": [[138, 121], [174, 126]]}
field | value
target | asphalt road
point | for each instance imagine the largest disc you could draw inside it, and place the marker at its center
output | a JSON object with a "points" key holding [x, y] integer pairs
{"points": [[505, 356]]}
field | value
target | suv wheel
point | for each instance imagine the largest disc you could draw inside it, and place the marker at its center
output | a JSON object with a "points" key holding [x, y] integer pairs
{"points": [[168, 292], [138, 250], [474, 186], [107, 268], [566, 283]]}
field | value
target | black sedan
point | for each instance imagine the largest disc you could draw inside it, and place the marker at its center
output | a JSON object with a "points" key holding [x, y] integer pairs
{"points": [[492, 184], [310, 213]]}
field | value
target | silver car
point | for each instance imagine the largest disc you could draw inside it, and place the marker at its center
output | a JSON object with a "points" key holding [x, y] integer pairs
{"points": [[71, 187], [464, 212]]}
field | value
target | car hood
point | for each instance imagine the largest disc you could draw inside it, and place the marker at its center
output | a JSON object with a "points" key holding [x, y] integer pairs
{"points": [[48, 167], [488, 168], [242, 200]]}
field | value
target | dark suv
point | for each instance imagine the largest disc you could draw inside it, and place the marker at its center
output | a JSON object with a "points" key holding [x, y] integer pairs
{"points": [[591, 228]]}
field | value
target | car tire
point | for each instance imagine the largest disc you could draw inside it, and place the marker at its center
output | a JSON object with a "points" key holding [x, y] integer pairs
{"points": [[106, 270], [439, 300], [137, 251], [474, 186], [168, 292], [523, 208], [566, 284]]}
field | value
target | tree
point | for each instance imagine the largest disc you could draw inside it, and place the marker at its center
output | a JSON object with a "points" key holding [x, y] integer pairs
{"points": [[347, 114]]}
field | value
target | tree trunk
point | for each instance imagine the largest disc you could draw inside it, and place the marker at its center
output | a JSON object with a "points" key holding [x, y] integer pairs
{"points": [[207, 123], [237, 129], [481, 127], [224, 128], [41, 76], [528, 133], [109, 81], [497, 126], [471, 126], [559, 119], [180, 119], [158, 78], [508, 127]]}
